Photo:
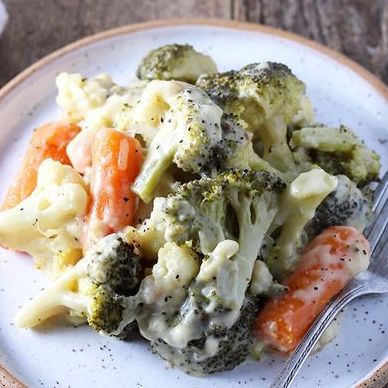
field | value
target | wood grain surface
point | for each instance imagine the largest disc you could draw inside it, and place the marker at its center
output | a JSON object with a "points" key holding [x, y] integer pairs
{"points": [[358, 28]]}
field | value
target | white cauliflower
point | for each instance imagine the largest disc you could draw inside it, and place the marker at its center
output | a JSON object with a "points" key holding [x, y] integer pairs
{"points": [[98, 102], [77, 94], [47, 224]]}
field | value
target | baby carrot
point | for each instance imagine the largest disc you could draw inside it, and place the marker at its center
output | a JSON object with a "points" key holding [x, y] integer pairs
{"points": [[116, 162], [330, 261], [48, 141]]}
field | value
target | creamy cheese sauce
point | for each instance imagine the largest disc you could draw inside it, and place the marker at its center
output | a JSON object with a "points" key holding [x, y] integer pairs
{"points": [[297, 207]]}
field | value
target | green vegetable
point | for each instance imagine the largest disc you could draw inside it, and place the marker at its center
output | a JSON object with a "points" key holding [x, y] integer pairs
{"points": [[233, 346], [207, 211], [190, 128], [339, 151], [235, 150], [175, 62], [224, 219], [266, 96]]}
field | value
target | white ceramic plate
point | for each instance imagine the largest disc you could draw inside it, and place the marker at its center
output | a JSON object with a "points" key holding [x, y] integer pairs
{"points": [[341, 91]]}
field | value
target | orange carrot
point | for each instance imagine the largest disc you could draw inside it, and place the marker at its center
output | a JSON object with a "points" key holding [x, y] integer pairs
{"points": [[330, 261], [116, 162], [48, 141]]}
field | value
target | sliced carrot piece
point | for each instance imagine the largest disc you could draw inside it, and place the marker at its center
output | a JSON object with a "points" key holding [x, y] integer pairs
{"points": [[48, 141], [328, 264], [116, 162]]}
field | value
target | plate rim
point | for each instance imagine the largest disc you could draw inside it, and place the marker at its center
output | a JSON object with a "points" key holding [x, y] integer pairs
{"points": [[379, 374]]}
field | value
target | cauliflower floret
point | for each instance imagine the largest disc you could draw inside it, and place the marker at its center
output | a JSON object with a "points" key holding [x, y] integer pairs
{"points": [[48, 222], [77, 94], [176, 266], [98, 102], [149, 236], [153, 104]]}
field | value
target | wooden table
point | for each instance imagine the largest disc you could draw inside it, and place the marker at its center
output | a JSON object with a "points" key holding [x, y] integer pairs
{"points": [[358, 28]]}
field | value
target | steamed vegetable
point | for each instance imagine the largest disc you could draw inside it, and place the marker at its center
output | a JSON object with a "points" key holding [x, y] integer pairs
{"points": [[93, 291], [205, 325], [236, 149], [298, 207], [49, 221], [330, 261], [190, 125], [346, 205], [266, 96], [48, 141], [175, 62], [78, 95], [116, 162], [339, 151], [98, 102]]}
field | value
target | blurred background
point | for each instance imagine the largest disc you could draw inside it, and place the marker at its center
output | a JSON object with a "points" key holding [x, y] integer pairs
{"points": [[358, 28]]}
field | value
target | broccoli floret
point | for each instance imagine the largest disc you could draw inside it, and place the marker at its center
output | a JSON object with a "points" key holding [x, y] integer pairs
{"points": [[339, 151], [189, 130], [206, 211], [233, 346], [224, 219], [257, 92], [267, 96], [93, 291], [235, 150], [346, 205], [175, 62]]}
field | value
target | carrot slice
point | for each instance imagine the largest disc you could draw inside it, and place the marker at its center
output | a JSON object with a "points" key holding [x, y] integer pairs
{"points": [[330, 261], [116, 162], [48, 141]]}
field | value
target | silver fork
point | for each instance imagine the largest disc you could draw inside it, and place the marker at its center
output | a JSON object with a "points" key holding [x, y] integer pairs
{"points": [[373, 281]]}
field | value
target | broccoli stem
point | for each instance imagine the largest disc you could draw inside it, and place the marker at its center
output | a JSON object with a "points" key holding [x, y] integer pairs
{"points": [[161, 156]]}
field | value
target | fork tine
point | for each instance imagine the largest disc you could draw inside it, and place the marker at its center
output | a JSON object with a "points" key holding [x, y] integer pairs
{"points": [[380, 191], [380, 200], [376, 237], [379, 223], [379, 262]]}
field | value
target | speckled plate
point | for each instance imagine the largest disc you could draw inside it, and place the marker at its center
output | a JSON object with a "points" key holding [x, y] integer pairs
{"points": [[342, 92]]}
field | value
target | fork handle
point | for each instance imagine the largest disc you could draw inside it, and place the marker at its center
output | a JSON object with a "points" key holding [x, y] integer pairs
{"points": [[353, 290]]}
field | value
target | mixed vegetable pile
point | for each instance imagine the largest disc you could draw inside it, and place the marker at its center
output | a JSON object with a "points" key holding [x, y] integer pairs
{"points": [[206, 210]]}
